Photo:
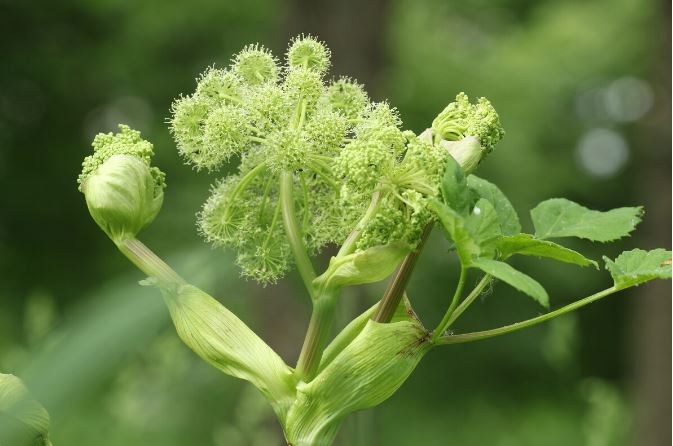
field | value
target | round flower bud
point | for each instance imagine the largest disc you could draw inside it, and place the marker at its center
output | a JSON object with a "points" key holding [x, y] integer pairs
{"points": [[348, 97], [123, 195], [255, 65], [309, 53]]}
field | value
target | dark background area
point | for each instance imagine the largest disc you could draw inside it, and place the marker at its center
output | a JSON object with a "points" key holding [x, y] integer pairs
{"points": [[583, 90]]}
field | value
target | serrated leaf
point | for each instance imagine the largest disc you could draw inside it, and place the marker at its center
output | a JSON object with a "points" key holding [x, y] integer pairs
{"points": [[514, 278], [559, 217], [483, 226], [638, 266], [454, 187], [455, 230], [507, 216], [527, 245]]}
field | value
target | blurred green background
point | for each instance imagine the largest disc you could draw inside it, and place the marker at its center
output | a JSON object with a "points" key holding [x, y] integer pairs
{"points": [[583, 89]]}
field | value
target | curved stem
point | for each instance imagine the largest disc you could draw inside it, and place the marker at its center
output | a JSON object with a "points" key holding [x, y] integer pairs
{"points": [[476, 292], [148, 262], [444, 323], [293, 233], [469, 337], [240, 187]]}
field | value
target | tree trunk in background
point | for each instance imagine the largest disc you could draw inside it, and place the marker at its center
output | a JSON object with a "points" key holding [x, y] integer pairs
{"points": [[355, 33], [353, 29], [651, 331]]}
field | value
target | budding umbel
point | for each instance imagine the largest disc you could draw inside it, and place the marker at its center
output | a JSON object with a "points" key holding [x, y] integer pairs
{"points": [[122, 196]]}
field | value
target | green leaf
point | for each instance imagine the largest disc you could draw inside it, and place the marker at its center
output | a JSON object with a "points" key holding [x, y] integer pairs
{"points": [[377, 361], [514, 278], [25, 420], [220, 338], [455, 230], [507, 216], [638, 266], [404, 312], [370, 265], [559, 217], [527, 245], [454, 187], [483, 226]]}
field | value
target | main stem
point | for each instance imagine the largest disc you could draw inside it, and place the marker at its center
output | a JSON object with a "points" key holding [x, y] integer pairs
{"points": [[469, 337], [323, 300], [317, 334], [393, 295]]}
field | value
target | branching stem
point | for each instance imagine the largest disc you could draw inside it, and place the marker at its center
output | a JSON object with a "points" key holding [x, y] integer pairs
{"points": [[476, 336], [441, 328], [476, 292]]}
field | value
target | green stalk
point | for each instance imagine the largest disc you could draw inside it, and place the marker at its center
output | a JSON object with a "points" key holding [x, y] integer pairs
{"points": [[393, 294], [441, 328], [323, 301], [478, 335], [293, 233], [476, 292], [349, 245], [148, 262], [319, 328]]}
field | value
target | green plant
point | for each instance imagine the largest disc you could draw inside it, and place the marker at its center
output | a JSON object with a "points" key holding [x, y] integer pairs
{"points": [[321, 164]]}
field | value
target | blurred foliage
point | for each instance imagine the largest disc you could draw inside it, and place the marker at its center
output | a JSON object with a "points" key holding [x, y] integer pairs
{"points": [[97, 350]]}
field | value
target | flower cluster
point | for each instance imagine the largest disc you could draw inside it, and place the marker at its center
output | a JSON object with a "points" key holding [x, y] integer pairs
{"points": [[277, 119], [346, 155]]}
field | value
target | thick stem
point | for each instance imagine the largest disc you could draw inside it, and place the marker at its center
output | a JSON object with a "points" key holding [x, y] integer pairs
{"points": [[148, 262], [316, 336], [293, 233], [444, 323], [393, 295], [469, 337]]}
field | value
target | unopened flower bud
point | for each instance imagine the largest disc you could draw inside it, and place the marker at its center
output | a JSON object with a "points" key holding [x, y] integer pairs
{"points": [[122, 196], [467, 151]]}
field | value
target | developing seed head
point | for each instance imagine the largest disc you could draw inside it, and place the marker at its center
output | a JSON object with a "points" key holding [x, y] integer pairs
{"points": [[287, 150], [218, 87], [255, 65], [303, 85], [225, 134], [243, 213], [308, 52], [326, 129], [461, 119], [347, 97], [189, 112]]}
